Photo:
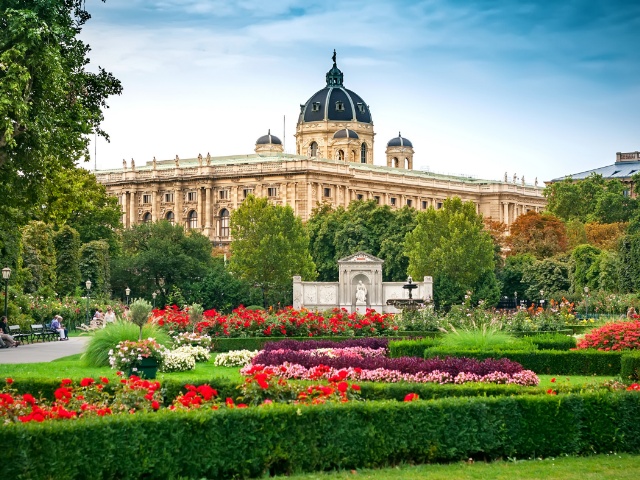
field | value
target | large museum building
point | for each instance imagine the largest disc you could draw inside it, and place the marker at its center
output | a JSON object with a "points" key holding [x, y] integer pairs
{"points": [[333, 163]]}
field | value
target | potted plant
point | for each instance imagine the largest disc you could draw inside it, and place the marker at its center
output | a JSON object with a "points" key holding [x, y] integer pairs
{"points": [[139, 312], [140, 357]]}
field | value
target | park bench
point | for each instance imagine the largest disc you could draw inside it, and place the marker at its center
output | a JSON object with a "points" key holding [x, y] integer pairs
{"points": [[38, 332], [16, 333], [51, 333]]}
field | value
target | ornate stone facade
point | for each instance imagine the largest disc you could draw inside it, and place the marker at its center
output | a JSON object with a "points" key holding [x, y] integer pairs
{"points": [[334, 164]]}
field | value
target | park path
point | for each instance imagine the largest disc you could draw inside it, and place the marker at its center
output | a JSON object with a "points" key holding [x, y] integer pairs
{"points": [[43, 351]]}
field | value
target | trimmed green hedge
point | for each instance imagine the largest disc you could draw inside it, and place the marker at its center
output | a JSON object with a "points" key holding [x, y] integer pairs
{"points": [[553, 341], [547, 362], [411, 348], [630, 366], [283, 439]]}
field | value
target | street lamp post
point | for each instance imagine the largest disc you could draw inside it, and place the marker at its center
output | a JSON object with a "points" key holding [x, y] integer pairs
{"points": [[154, 295], [515, 295], [6, 273], [586, 300], [88, 285], [542, 299], [128, 292]]}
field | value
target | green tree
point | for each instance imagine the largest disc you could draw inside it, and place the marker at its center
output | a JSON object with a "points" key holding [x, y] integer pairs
{"points": [[629, 254], [586, 273], [160, 257], [550, 275], [322, 227], [511, 275], [76, 199], [451, 245], [39, 258], [50, 102], [269, 247], [67, 244], [609, 268], [95, 266]]}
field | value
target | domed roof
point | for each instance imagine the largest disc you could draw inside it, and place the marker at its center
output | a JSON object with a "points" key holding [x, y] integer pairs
{"points": [[334, 102], [268, 139], [399, 141], [345, 133]]}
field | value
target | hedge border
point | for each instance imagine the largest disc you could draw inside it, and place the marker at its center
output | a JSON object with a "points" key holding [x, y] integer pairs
{"points": [[285, 439]]}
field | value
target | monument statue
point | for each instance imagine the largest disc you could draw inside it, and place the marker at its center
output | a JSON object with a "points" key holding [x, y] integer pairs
{"points": [[361, 293]]}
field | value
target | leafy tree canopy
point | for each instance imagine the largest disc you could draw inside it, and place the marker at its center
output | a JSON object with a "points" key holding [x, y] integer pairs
{"points": [[270, 245], [451, 245], [50, 101], [542, 235]]}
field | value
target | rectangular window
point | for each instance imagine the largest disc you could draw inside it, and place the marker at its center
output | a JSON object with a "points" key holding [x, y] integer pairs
{"points": [[359, 196], [360, 107], [377, 199], [247, 191], [393, 201], [626, 193], [315, 106], [327, 192], [168, 197], [224, 194], [438, 205], [272, 192], [424, 205], [409, 203], [192, 196], [339, 106], [146, 198]]}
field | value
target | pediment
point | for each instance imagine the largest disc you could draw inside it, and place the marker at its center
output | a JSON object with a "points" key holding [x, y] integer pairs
{"points": [[360, 257]]}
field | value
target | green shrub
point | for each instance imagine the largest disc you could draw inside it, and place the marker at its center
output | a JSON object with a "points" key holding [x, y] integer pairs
{"points": [[553, 341], [256, 343], [546, 362], [411, 348], [630, 366], [483, 339], [261, 442], [104, 339]]}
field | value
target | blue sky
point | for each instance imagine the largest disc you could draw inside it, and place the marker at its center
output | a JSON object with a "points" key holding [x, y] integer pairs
{"points": [[538, 88]]}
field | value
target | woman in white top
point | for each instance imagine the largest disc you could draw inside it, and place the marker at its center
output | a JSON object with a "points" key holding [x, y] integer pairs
{"points": [[109, 317]]}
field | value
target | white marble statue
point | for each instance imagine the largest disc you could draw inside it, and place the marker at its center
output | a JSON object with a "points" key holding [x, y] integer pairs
{"points": [[361, 293]]}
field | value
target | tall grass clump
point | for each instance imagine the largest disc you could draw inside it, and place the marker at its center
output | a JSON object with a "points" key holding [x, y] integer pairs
{"points": [[486, 337], [103, 340]]}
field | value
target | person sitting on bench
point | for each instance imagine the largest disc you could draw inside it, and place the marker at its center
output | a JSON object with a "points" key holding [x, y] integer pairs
{"points": [[6, 340], [56, 324]]}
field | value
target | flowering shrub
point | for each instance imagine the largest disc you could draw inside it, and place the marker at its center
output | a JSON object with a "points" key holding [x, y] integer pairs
{"points": [[177, 361], [287, 322], [203, 396], [295, 371], [263, 385], [235, 358], [192, 339], [295, 345], [128, 354], [199, 354], [87, 398], [613, 336]]}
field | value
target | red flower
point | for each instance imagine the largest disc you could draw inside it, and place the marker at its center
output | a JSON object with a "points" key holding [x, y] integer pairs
{"points": [[553, 380], [9, 381], [551, 391], [634, 386], [355, 387], [155, 405], [410, 397], [343, 386], [85, 382], [66, 381], [104, 379]]}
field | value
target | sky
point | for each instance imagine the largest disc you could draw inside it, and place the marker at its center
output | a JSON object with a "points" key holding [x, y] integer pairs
{"points": [[540, 89]]}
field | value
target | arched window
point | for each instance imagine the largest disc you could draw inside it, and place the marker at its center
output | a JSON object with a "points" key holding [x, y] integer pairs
{"points": [[407, 163], [314, 149], [192, 219], [146, 218], [170, 217], [224, 223], [341, 155], [395, 163], [363, 153]]}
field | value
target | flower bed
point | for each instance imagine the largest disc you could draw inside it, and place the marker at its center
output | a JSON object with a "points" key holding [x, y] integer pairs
{"points": [[282, 323], [314, 364], [613, 336]]}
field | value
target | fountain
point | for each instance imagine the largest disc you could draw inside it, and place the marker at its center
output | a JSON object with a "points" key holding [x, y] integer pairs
{"points": [[408, 303]]}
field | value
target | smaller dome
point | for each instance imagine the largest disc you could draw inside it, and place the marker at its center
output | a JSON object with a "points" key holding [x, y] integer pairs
{"points": [[268, 139], [399, 141], [345, 133]]}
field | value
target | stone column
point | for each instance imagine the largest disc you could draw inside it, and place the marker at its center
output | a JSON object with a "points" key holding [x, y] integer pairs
{"points": [[155, 204], [177, 199], [133, 215], [505, 215], [207, 211]]}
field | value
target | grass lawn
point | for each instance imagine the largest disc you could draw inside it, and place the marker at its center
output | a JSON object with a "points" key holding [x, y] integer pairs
{"points": [[613, 466]]}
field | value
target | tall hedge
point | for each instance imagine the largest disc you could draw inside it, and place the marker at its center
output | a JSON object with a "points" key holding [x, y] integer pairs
{"points": [[232, 443], [94, 266], [39, 258], [67, 245]]}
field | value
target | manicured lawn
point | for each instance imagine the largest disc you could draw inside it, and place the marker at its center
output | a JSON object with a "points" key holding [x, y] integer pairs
{"points": [[597, 467], [72, 367]]}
